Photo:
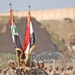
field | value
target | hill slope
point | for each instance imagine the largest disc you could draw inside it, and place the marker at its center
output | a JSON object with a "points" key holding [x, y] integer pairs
{"points": [[62, 34], [43, 42]]}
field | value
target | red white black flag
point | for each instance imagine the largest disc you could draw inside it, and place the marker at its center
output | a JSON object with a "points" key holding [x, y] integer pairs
{"points": [[29, 38]]}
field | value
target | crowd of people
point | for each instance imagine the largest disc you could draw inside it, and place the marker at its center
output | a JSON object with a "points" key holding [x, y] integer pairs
{"points": [[40, 69]]}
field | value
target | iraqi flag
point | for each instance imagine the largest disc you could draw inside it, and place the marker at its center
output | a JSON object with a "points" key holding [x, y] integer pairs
{"points": [[29, 38], [15, 38]]}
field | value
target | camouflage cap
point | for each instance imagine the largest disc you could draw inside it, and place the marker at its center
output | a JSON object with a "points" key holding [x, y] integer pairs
{"points": [[10, 61], [40, 62]]}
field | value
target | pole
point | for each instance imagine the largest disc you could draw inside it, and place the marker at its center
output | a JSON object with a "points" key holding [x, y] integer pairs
{"points": [[29, 7], [30, 56], [10, 5]]}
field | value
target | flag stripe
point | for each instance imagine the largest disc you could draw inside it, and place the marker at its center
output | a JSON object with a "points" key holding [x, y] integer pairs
{"points": [[27, 49], [31, 28], [11, 16], [29, 38]]}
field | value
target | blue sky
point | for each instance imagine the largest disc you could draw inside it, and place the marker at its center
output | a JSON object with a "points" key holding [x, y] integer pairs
{"points": [[22, 5]]}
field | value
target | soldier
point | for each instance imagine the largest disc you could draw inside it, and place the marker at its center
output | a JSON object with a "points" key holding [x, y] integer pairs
{"points": [[32, 72], [56, 72], [71, 71], [68, 70], [12, 69], [62, 72], [40, 69], [50, 71], [45, 68], [4, 72], [21, 69], [0, 72]]}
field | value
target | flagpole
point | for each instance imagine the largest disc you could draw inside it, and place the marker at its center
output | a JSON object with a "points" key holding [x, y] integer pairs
{"points": [[10, 5], [18, 60], [29, 50], [29, 7]]}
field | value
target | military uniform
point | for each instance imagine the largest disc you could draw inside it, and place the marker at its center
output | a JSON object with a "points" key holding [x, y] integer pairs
{"points": [[20, 71], [41, 68], [11, 72], [50, 71], [1, 72], [41, 72], [56, 73], [62, 73], [71, 72], [12, 69]]}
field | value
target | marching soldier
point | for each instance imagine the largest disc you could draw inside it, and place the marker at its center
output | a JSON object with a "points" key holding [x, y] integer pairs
{"points": [[51, 72], [0, 72], [68, 70], [71, 71], [20, 70], [12, 69], [62, 72], [46, 69], [56, 72], [40, 68]]}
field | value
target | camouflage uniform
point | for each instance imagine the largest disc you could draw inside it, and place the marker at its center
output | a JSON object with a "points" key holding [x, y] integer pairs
{"points": [[11, 72], [62, 71], [56, 72], [1, 72], [71, 72], [40, 69], [20, 71], [50, 72], [41, 72]]}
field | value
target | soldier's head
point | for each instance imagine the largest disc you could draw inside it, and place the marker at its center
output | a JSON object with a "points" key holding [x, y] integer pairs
{"points": [[41, 64], [71, 67], [62, 69], [56, 68], [50, 69], [45, 68], [4, 71], [68, 67], [21, 62], [11, 64]]}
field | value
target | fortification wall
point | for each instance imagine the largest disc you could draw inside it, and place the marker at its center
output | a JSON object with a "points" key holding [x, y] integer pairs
{"points": [[55, 14]]}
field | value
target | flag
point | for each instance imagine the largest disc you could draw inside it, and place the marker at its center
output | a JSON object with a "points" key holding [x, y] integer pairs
{"points": [[15, 37], [29, 38]]}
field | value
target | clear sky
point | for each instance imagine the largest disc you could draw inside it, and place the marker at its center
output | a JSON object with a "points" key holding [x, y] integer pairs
{"points": [[22, 5]]}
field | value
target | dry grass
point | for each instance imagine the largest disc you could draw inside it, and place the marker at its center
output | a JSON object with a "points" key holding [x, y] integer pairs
{"points": [[60, 32], [4, 57]]}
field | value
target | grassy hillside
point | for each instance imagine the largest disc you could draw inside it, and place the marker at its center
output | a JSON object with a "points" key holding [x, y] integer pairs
{"points": [[43, 41], [62, 33], [4, 58]]}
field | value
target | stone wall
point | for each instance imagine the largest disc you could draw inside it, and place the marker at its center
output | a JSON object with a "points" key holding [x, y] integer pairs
{"points": [[54, 14]]}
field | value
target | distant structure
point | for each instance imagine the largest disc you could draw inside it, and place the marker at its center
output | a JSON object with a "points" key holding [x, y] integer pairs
{"points": [[54, 14]]}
